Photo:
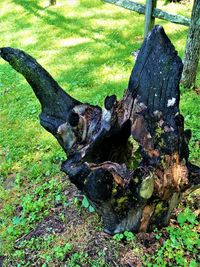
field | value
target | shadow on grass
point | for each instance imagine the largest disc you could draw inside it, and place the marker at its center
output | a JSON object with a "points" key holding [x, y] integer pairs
{"points": [[30, 6], [112, 49], [71, 25]]}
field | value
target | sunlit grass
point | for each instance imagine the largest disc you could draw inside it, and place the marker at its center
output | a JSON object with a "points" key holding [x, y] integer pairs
{"points": [[87, 46]]}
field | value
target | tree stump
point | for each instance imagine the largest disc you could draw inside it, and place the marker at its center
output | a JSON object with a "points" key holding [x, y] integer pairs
{"points": [[130, 158]]}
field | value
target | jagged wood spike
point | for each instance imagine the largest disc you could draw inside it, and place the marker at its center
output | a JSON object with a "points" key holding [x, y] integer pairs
{"points": [[154, 85], [129, 196]]}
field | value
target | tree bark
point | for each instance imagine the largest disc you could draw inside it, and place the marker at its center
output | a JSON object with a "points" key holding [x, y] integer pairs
{"points": [[52, 2], [192, 51], [130, 158]]}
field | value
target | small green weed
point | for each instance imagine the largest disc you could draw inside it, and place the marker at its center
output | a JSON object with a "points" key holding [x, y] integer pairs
{"points": [[61, 251], [84, 203], [50, 254], [79, 259], [187, 216], [127, 235], [181, 248]]}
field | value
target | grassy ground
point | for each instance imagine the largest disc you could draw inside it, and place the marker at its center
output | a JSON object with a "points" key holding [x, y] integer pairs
{"points": [[87, 46]]}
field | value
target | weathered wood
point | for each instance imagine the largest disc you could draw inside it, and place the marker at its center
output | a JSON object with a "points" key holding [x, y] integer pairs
{"points": [[149, 19], [131, 188], [157, 13], [177, 19], [133, 6]]}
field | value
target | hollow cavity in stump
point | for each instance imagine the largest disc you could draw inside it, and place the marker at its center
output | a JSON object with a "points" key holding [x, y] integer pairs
{"points": [[130, 158]]}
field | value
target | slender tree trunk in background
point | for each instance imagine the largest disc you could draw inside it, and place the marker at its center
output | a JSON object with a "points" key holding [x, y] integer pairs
{"points": [[130, 158], [149, 19], [192, 51], [52, 2]]}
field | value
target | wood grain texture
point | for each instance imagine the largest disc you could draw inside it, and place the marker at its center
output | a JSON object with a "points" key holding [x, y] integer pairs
{"points": [[132, 188]]}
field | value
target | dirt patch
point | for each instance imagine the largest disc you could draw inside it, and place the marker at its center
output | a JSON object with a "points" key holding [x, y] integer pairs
{"points": [[49, 225], [84, 230]]}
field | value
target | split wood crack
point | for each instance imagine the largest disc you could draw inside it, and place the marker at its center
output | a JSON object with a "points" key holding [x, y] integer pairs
{"points": [[131, 158]]}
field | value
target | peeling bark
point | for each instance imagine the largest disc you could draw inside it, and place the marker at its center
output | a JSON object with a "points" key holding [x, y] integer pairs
{"points": [[130, 158]]}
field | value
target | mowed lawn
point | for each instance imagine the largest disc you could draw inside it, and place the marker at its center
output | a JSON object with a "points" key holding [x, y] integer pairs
{"points": [[88, 48]]}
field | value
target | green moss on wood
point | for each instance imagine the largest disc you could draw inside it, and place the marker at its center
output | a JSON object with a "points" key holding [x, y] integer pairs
{"points": [[147, 187]]}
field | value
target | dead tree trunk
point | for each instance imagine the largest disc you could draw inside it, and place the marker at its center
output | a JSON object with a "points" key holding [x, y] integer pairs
{"points": [[132, 189]]}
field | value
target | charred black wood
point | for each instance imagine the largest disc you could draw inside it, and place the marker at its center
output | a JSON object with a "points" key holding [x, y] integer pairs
{"points": [[130, 158]]}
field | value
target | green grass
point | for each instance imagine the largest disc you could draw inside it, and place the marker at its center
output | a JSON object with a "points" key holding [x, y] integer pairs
{"points": [[86, 46]]}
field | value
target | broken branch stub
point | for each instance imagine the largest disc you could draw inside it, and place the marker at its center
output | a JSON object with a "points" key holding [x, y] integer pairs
{"points": [[130, 158]]}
